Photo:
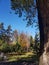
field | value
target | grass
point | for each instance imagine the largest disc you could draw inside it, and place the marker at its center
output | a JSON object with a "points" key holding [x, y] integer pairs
{"points": [[27, 58], [18, 57]]}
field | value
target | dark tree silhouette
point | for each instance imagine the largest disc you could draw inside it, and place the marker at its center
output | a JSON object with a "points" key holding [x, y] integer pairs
{"points": [[5, 34], [37, 44]]}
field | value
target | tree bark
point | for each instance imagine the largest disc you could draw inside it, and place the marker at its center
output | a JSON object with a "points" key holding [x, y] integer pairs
{"points": [[43, 17]]}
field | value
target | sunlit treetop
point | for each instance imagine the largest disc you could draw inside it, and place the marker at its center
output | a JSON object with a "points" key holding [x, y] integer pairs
{"points": [[26, 6]]}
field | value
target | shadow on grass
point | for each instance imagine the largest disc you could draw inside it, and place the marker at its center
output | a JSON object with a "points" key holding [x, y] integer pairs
{"points": [[29, 61], [23, 61]]}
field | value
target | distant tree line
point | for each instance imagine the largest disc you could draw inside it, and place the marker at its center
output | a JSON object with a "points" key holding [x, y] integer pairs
{"points": [[13, 41]]}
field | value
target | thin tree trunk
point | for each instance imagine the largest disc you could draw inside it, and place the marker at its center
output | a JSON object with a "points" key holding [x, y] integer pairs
{"points": [[43, 17]]}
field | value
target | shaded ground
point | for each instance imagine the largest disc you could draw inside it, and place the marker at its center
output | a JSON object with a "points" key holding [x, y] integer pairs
{"points": [[16, 63], [28, 61]]}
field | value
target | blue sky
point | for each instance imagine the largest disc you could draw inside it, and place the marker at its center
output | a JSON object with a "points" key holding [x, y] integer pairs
{"points": [[13, 19]]}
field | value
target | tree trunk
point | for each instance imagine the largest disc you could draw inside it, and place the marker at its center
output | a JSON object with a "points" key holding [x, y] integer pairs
{"points": [[43, 17]]}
